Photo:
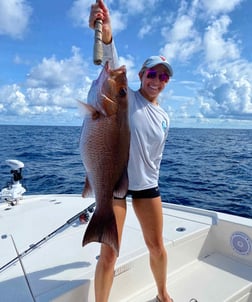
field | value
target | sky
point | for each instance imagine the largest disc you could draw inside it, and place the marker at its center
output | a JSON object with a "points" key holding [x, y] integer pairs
{"points": [[46, 62]]}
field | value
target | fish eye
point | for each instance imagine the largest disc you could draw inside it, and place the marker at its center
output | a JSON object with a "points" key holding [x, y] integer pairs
{"points": [[123, 92]]}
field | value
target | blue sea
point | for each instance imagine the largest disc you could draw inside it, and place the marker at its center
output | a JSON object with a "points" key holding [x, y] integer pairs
{"points": [[206, 168]]}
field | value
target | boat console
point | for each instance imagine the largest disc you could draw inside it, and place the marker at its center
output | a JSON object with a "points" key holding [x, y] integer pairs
{"points": [[14, 190]]}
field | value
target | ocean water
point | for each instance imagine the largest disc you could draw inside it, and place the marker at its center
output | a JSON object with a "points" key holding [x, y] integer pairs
{"points": [[206, 168]]}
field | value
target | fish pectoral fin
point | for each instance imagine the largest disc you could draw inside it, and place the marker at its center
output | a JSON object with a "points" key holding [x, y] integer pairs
{"points": [[102, 228], [87, 190], [109, 106], [88, 109], [121, 188]]}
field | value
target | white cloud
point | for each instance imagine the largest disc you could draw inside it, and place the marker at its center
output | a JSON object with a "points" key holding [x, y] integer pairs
{"points": [[132, 73], [14, 100], [226, 89], [52, 73], [216, 47], [183, 40], [150, 25], [144, 30], [118, 21], [51, 90], [79, 12], [136, 7], [14, 17], [220, 6], [195, 35], [20, 61], [54, 106], [182, 28], [227, 94]]}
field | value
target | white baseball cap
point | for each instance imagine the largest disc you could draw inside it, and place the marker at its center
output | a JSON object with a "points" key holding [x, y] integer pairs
{"points": [[156, 60]]}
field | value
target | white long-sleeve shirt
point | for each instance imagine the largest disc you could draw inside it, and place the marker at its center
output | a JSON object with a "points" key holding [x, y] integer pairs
{"points": [[149, 126]]}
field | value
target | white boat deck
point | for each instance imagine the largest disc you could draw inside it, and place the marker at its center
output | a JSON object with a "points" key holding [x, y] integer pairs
{"points": [[203, 265]]}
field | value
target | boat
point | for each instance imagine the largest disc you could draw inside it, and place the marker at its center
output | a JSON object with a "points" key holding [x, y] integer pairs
{"points": [[42, 258]]}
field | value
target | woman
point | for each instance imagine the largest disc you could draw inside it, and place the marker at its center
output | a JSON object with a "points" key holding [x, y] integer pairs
{"points": [[149, 128]]}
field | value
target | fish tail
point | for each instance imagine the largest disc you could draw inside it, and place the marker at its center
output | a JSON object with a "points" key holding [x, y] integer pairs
{"points": [[102, 228]]}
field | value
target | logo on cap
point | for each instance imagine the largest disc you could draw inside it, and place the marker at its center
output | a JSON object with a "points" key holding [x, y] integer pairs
{"points": [[162, 58]]}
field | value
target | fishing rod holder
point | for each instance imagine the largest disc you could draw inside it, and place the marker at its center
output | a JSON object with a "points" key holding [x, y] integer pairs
{"points": [[14, 190], [85, 215]]}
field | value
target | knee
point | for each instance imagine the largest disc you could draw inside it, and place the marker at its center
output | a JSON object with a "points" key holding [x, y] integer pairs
{"points": [[156, 249], [107, 258]]}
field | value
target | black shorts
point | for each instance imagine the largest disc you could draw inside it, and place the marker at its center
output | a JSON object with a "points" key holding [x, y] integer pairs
{"points": [[148, 193]]}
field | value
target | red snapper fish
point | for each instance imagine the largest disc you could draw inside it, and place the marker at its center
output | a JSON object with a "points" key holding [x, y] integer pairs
{"points": [[104, 147]]}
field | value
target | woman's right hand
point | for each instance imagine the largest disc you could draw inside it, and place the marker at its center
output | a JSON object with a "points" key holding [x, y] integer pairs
{"points": [[100, 11]]}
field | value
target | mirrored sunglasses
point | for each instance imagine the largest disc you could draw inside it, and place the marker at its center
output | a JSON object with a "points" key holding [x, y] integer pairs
{"points": [[152, 74]]}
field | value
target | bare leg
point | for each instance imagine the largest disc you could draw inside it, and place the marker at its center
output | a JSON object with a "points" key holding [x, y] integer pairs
{"points": [[149, 213], [104, 273]]}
